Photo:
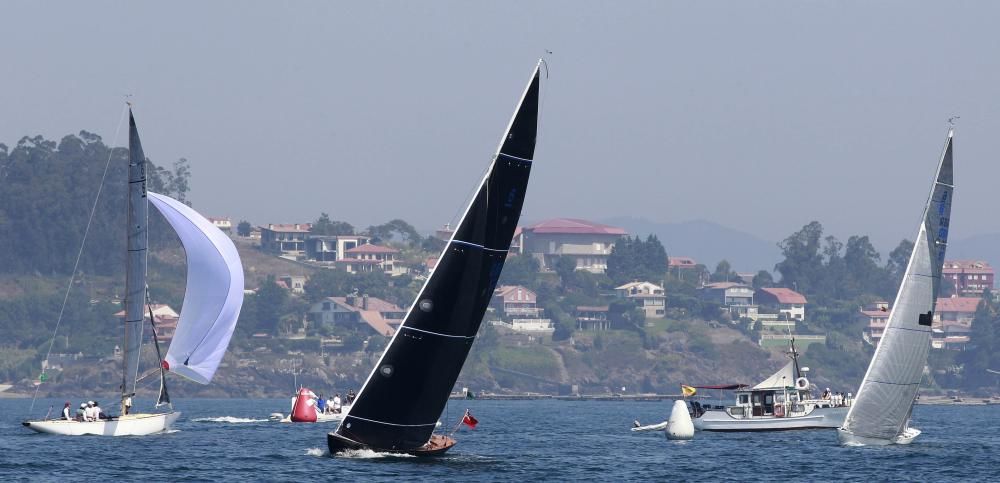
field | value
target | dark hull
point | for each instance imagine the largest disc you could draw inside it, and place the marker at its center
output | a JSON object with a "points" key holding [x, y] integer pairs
{"points": [[437, 446]]}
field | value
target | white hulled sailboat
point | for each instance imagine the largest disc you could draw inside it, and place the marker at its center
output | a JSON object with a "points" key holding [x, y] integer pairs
{"points": [[212, 301], [881, 411]]}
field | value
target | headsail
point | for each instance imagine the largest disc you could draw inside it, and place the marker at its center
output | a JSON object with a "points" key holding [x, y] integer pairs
{"points": [[214, 293], [135, 268], [400, 403], [885, 398]]}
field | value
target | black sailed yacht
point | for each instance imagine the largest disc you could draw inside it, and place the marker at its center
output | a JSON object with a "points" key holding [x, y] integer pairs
{"points": [[399, 405]]}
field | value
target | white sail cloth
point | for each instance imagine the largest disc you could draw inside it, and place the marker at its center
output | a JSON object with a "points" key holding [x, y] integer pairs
{"points": [[214, 293], [785, 377]]}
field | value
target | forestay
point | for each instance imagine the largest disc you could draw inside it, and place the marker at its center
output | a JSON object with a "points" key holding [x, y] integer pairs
{"points": [[214, 293], [884, 401]]}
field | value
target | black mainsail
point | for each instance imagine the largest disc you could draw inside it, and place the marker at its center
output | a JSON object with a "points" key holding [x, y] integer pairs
{"points": [[135, 268], [400, 403]]}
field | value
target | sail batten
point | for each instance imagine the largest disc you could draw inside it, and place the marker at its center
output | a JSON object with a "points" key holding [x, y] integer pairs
{"points": [[213, 295], [882, 408], [403, 397]]}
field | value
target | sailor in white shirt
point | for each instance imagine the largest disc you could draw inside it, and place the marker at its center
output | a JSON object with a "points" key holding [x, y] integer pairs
{"points": [[90, 414]]}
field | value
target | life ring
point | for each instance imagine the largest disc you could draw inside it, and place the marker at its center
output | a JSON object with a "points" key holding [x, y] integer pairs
{"points": [[802, 383], [779, 411]]}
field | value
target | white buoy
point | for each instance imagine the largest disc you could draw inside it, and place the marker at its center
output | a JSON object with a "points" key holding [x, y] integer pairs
{"points": [[679, 425]]}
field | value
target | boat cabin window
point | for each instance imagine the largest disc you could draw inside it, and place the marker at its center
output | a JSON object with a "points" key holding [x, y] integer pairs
{"points": [[744, 399], [769, 399]]}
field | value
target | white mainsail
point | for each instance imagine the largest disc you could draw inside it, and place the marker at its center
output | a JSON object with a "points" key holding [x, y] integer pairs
{"points": [[214, 293], [881, 410]]}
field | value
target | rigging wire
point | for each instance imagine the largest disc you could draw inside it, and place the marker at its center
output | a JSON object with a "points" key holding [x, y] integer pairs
{"points": [[79, 255]]}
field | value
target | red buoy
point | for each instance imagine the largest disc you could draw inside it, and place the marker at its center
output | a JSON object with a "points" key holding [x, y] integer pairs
{"points": [[304, 409]]}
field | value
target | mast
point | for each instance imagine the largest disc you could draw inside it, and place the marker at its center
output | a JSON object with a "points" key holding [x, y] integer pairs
{"points": [[403, 397], [135, 265]]}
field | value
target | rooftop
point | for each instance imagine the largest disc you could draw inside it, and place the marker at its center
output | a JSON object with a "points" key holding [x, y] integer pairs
{"points": [[957, 304], [785, 295], [681, 262], [574, 226], [288, 227]]}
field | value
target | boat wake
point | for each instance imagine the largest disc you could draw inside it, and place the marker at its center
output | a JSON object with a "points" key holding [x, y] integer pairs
{"points": [[228, 419], [365, 454], [316, 452]]}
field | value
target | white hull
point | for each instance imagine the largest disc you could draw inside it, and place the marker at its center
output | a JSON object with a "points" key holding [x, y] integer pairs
{"points": [[819, 418], [849, 439], [320, 418], [131, 425]]}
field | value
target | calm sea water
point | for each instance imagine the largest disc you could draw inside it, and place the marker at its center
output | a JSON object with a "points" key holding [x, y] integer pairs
{"points": [[229, 440]]}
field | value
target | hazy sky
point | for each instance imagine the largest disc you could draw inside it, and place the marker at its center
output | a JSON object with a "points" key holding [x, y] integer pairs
{"points": [[757, 115]]}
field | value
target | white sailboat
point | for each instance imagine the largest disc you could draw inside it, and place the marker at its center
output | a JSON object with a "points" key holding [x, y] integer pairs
{"points": [[212, 301], [881, 411]]}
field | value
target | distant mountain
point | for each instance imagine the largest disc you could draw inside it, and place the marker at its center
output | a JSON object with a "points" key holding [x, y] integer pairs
{"points": [[985, 246], [706, 242]]}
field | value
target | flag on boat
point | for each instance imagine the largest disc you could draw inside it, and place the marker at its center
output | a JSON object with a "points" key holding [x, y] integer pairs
{"points": [[469, 420], [688, 391]]}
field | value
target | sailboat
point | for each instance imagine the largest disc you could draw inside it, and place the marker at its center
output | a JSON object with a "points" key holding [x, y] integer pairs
{"points": [[881, 411], [399, 404], [212, 301]]}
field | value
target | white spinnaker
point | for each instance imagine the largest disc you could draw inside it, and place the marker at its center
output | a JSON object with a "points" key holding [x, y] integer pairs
{"points": [[213, 296], [783, 378]]}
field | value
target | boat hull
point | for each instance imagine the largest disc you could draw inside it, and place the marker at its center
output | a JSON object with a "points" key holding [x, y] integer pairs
{"points": [[850, 439], [819, 418], [131, 425], [437, 446]]}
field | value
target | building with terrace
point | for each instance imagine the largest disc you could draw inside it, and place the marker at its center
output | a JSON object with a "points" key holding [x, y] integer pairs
{"points": [[586, 242], [287, 240], [970, 277]]}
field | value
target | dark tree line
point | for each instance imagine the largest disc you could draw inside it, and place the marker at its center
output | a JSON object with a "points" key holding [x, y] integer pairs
{"points": [[634, 259], [47, 191], [827, 270]]}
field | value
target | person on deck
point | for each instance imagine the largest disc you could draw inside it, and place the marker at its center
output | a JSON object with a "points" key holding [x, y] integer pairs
{"points": [[336, 403], [127, 403], [65, 414], [99, 412], [350, 396], [329, 406], [321, 404], [89, 414], [81, 414]]}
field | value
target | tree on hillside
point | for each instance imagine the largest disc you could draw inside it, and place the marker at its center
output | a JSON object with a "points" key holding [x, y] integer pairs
{"points": [[520, 270], [724, 273], [763, 279], [981, 355], [396, 229], [634, 259], [243, 228], [861, 260], [270, 302], [328, 283], [324, 226], [803, 263]]}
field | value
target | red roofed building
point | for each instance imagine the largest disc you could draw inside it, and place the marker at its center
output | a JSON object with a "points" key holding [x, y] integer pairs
{"points": [[970, 277], [687, 268], [875, 315], [588, 243], [381, 316], [372, 258], [786, 300], [164, 319]]}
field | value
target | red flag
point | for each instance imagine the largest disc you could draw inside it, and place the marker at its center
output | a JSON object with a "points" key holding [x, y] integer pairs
{"points": [[469, 420]]}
